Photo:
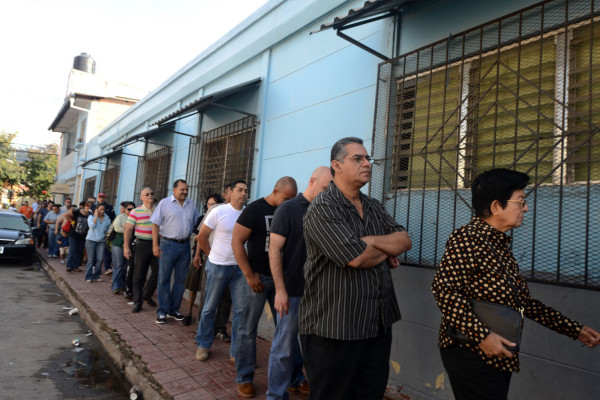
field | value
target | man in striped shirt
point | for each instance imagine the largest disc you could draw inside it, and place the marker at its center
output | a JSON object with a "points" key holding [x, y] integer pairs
{"points": [[349, 303], [139, 224]]}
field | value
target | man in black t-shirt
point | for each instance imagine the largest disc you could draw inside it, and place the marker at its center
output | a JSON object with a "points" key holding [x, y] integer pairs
{"points": [[252, 228], [287, 254]]}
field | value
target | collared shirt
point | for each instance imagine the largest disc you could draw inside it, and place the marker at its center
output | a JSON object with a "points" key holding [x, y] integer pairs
{"points": [[287, 222], [479, 265], [97, 230], [176, 221], [140, 218], [342, 302]]}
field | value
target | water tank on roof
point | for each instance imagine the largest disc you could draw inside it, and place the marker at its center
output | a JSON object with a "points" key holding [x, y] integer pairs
{"points": [[84, 62]]}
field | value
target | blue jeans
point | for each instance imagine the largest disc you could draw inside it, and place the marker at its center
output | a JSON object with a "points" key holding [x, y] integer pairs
{"points": [[175, 257], [75, 253], [217, 277], [245, 356], [119, 268], [52, 245], [285, 360], [95, 255]]}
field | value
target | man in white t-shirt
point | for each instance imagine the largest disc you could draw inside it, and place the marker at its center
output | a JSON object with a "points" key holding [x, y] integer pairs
{"points": [[221, 269]]}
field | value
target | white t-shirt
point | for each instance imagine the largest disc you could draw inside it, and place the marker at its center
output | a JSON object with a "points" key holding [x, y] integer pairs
{"points": [[222, 220]]}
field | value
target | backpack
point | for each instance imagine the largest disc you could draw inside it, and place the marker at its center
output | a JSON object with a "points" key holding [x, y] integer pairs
{"points": [[81, 225]]}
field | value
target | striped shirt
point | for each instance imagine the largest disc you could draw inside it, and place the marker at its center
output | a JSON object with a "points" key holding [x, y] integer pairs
{"points": [[342, 302], [140, 219]]}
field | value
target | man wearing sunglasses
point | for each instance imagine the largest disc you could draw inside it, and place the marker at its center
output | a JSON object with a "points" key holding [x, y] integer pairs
{"points": [[138, 224]]}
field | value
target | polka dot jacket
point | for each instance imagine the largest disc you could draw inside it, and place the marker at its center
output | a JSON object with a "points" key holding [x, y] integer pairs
{"points": [[478, 264]]}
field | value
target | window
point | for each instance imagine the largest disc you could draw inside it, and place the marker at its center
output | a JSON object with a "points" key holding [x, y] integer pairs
{"points": [[520, 92], [89, 188], [153, 171], [221, 156], [109, 183]]}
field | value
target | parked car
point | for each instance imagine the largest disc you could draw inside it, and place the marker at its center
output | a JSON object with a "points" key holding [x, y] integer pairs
{"points": [[16, 238]]}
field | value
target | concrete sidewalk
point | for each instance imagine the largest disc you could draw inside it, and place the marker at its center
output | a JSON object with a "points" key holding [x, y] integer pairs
{"points": [[158, 358]]}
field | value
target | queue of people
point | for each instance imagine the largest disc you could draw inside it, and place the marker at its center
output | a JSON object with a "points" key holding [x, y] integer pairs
{"points": [[322, 260]]}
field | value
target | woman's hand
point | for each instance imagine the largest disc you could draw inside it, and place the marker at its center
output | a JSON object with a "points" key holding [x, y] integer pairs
{"points": [[589, 337], [494, 346]]}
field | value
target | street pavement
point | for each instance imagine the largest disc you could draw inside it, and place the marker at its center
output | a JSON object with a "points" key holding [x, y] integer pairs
{"points": [[37, 358], [158, 358]]}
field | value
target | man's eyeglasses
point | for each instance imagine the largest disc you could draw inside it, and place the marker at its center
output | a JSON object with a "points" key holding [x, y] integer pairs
{"points": [[360, 158], [149, 194], [522, 201]]}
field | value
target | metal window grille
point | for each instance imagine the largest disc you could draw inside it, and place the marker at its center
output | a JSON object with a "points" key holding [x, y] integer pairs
{"points": [[109, 182], [153, 171], [221, 156], [520, 92], [88, 188]]}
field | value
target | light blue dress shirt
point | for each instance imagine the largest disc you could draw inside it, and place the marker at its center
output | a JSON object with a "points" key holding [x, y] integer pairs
{"points": [[98, 230], [175, 221]]}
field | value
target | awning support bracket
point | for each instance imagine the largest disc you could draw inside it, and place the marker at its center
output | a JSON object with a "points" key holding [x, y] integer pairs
{"points": [[232, 109]]}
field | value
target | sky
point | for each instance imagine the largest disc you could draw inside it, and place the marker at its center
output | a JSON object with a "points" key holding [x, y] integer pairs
{"points": [[138, 42]]}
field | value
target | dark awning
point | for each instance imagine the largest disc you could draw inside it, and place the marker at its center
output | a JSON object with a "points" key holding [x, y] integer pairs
{"points": [[207, 101], [95, 159], [135, 138], [372, 10]]}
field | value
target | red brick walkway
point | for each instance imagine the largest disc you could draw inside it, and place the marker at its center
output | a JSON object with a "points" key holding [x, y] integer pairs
{"points": [[167, 350]]}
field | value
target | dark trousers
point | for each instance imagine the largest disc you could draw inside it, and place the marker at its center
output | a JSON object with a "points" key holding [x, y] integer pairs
{"points": [[76, 247], [224, 309], [130, 267], [347, 369], [142, 260], [471, 378]]}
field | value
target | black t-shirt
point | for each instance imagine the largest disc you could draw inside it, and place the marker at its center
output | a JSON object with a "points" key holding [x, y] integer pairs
{"points": [[80, 223], [257, 216], [287, 222]]}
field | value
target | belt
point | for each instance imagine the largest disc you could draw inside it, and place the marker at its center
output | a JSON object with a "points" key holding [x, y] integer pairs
{"points": [[176, 240]]}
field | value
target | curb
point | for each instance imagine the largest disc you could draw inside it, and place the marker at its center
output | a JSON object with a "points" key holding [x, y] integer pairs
{"points": [[134, 370]]}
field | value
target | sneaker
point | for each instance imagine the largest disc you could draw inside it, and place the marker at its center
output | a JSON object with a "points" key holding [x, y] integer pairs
{"points": [[117, 291], [161, 319], [76, 269], [246, 390], [136, 308], [88, 281], [62, 261], [187, 320], [223, 337], [176, 315], [201, 354], [97, 280], [128, 295], [108, 272]]}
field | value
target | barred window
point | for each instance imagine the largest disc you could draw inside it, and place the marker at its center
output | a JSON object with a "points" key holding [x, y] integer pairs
{"points": [[221, 156], [153, 171], [521, 92], [89, 188], [109, 183]]}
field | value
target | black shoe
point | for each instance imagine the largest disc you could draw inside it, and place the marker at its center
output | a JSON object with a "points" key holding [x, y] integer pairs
{"points": [[150, 301], [128, 295], [187, 320], [136, 308], [176, 315], [223, 337], [161, 319]]}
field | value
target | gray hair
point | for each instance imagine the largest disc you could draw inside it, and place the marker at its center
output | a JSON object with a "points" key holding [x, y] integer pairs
{"points": [[338, 151]]}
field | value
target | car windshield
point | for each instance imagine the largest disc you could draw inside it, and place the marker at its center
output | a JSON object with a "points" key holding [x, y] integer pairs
{"points": [[14, 222]]}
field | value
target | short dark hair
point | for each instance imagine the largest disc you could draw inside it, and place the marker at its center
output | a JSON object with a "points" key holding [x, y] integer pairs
{"points": [[82, 204], [177, 182], [56, 205], [227, 186], [234, 183], [495, 184], [338, 151], [218, 198], [124, 204], [129, 203], [68, 198]]}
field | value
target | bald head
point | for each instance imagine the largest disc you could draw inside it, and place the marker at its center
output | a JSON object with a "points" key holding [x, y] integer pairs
{"points": [[284, 189], [319, 180]]}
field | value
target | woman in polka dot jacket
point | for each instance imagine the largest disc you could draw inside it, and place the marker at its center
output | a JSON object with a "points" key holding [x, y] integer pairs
{"points": [[479, 265]]}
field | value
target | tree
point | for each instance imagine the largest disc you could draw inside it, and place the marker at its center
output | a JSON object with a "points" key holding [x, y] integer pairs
{"points": [[11, 172], [40, 169]]}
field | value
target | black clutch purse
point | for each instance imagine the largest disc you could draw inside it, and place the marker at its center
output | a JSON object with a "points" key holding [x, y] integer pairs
{"points": [[500, 319]]}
